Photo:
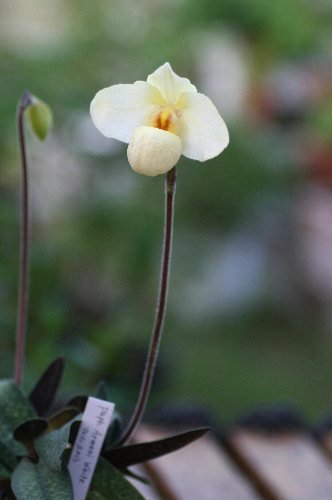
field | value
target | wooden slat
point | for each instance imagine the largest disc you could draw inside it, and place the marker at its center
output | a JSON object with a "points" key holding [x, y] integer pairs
{"points": [[147, 490], [286, 465], [201, 471], [326, 442]]}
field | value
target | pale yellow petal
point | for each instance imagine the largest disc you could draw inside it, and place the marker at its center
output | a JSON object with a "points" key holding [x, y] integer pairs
{"points": [[153, 151], [118, 110], [203, 132], [169, 84]]}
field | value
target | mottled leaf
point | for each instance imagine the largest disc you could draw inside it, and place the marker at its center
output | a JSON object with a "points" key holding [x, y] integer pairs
{"points": [[7, 457], [108, 483], [51, 445], [134, 454], [38, 482], [44, 392], [14, 409]]}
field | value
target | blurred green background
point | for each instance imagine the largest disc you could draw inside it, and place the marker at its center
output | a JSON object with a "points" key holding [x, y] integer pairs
{"points": [[250, 302]]}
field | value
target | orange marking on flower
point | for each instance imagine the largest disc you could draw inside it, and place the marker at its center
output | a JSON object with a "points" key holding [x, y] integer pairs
{"points": [[165, 120]]}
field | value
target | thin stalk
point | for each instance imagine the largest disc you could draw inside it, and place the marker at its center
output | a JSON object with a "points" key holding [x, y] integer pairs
{"points": [[152, 355], [22, 305]]}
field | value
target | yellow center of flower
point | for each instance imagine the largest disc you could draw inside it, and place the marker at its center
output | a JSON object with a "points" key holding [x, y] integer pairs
{"points": [[165, 120]]}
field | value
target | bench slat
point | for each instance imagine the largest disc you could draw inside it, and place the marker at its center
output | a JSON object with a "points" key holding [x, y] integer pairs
{"points": [[288, 465], [147, 490], [201, 470]]}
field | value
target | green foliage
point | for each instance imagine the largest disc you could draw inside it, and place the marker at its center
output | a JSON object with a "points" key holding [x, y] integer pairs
{"points": [[134, 454], [103, 391], [42, 395], [30, 430], [51, 445], [287, 26], [39, 482], [34, 452], [322, 119], [118, 262], [108, 483], [14, 410], [8, 461]]}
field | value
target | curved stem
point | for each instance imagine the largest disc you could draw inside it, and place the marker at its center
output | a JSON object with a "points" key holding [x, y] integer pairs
{"points": [[152, 356], [22, 305]]}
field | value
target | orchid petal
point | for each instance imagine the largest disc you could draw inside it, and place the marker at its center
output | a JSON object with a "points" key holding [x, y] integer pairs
{"points": [[169, 84], [204, 134], [153, 151], [118, 110]]}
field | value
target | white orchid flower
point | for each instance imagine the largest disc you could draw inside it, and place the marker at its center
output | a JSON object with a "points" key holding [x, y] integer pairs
{"points": [[161, 119]]}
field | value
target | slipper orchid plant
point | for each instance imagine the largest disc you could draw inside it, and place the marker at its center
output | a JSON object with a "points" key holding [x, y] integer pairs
{"points": [[160, 119]]}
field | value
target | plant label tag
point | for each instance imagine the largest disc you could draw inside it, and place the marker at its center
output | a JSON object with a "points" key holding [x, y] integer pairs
{"points": [[86, 450]]}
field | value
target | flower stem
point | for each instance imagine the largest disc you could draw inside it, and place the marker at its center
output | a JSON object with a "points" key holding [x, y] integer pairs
{"points": [[152, 356], [22, 305]]}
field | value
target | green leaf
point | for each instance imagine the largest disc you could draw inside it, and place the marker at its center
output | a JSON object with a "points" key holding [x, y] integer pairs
{"points": [[30, 430], [38, 482], [103, 391], [62, 417], [114, 431], [51, 445], [14, 410], [134, 454], [40, 118], [108, 483], [78, 402], [74, 429], [4, 472], [8, 460], [44, 392]]}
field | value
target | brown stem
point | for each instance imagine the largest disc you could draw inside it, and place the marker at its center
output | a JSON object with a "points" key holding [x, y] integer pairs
{"points": [[22, 305], [152, 356]]}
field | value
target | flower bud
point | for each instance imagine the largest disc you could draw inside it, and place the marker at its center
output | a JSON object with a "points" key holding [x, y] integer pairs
{"points": [[153, 151], [40, 118]]}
